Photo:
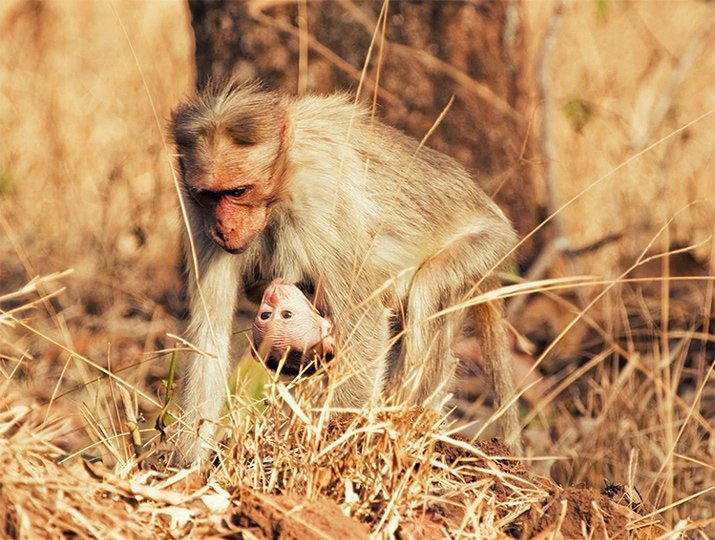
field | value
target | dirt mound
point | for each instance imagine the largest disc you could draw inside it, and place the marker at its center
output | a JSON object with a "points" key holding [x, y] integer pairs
{"points": [[576, 510], [571, 512]]}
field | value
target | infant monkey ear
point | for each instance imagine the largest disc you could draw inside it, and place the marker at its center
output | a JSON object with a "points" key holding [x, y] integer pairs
{"points": [[288, 324]]}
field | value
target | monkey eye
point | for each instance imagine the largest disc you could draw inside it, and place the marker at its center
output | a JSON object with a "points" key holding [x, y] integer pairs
{"points": [[265, 315], [286, 314], [236, 192]]}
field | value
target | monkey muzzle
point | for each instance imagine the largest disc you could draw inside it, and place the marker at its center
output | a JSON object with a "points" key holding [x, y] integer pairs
{"points": [[227, 243], [296, 362], [285, 348]]}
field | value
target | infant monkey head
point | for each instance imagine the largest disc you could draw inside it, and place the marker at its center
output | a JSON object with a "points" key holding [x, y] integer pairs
{"points": [[287, 324]]}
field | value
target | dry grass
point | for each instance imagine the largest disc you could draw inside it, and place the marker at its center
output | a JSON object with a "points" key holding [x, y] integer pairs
{"points": [[400, 472], [85, 190]]}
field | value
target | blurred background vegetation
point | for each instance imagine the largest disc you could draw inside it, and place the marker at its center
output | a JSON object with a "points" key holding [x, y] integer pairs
{"points": [[590, 122]]}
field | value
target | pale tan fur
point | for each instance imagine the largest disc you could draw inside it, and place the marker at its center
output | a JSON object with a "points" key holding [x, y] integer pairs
{"points": [[357, 208]]}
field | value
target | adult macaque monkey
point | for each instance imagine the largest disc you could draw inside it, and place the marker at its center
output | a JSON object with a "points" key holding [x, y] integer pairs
{"points": [[312, 190]]}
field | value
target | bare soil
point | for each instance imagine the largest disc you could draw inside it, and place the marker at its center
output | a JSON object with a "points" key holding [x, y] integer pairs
{"points": [[287, 517]]}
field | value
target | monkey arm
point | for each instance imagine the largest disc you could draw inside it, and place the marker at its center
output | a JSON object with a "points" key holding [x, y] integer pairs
{"points": [[205, 387]]}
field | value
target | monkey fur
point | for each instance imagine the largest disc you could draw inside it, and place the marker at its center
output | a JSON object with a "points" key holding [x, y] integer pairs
{"points": [[312, 189]]}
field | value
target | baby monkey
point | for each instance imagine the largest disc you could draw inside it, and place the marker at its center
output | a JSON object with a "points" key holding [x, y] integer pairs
{"points": [[289, 325]]}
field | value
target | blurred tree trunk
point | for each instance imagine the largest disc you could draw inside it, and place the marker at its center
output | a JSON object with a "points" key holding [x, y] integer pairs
{"points": [[433, 51]]}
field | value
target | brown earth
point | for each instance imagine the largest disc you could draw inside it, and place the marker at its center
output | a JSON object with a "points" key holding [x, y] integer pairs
{"points": [[572, 512], [567, 512], [450, 473], [587, 511], [287, 517]]}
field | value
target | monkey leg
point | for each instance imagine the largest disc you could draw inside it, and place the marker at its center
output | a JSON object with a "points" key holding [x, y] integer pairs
{"points": [[358, 371], [422, 373], [440, 285]]}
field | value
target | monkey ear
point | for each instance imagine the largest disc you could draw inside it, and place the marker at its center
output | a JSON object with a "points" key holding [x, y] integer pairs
{"points": [[180, 111]]}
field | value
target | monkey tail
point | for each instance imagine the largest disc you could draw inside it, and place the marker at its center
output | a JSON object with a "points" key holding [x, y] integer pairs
{"points": [[496, 357]]}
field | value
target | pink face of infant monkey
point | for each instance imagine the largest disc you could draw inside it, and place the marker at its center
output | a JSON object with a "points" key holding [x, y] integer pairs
{"points": [[288, 323]]}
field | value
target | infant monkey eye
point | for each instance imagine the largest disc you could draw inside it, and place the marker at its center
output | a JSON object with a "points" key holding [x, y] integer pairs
{"points": [[286, 314], [265, 315]]}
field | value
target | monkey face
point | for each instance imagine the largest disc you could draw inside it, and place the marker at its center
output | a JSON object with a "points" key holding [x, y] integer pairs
{"points": [[232, 163], [231, 191], [288, 324]]}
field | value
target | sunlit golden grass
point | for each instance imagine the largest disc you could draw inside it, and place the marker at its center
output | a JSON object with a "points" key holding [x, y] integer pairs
{"points": [[86, 200], [393, 469]]}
